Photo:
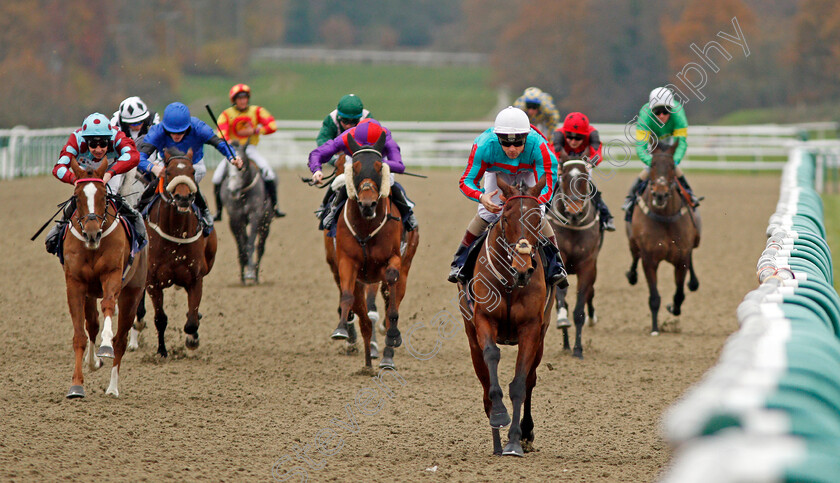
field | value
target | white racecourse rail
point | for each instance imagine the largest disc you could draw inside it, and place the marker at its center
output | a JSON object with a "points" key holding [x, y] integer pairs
{"points": [[28, 152]]}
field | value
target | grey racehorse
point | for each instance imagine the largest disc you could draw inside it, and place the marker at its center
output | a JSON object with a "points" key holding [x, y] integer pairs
{"points": [[250, 213]]}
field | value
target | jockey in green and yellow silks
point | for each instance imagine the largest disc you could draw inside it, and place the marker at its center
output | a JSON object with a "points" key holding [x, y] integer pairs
{"points": [[661, 118]]}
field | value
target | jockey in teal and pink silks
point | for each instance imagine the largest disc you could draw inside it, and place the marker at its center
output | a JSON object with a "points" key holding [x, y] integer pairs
{"points": [[513, 151], [366, 133]]}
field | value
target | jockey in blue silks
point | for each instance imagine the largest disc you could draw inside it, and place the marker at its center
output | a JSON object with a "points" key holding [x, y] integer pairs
{"points": [[365, 133], [513, 151], [184, 132]]}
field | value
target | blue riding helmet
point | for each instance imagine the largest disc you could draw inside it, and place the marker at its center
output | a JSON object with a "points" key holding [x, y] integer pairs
{"points": [[96, 124], [176, 117]]}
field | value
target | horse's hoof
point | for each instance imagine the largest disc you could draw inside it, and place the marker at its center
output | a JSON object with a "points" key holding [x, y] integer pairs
{"points": [[394, 341], [528, 445], [339, 334], [387, 363], [513, 449], [191, 341], [499, 420], [105, 351], [654, 333], [350, 349], [139, 324], [563, 323], [351, 333], [578, 353], [673, 309], [133, 339], [374, 350], [632, 277], [162, 352], [693, 285], [76, 392], [591, 321]]}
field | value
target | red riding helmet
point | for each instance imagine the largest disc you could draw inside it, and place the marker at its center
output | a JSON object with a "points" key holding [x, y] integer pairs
{"points": [[576, 122], [239, 89]]}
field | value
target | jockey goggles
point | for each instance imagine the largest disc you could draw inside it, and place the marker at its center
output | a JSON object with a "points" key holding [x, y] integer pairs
{"points": [[97, 142], [532, 105], [508, 140], [660, 110], [348, 121], [574, 136]]}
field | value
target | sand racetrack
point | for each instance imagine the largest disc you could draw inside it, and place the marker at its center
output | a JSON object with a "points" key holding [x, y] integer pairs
{"points": [[267, 385]]}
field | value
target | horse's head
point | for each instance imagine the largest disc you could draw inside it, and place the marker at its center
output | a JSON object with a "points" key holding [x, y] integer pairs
{"points": [[237, 180], [662, 174], [367, 177], [90, 202], [179, 178], [575, 188], [520, 224]]}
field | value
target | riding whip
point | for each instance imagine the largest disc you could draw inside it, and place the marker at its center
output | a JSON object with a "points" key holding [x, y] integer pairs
{"points": [[213, 118]]}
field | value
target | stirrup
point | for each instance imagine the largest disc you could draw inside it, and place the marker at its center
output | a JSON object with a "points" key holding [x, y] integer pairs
{"points": [[608, 224]]}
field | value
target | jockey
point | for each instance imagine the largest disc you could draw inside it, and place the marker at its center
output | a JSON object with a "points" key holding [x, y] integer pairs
{"points": [[579, 139], [347, 114], [245, 122], [513, 151], [540, 108], [133, 118], [660, 118], [366, 133], [183, 132], [90, 145]]}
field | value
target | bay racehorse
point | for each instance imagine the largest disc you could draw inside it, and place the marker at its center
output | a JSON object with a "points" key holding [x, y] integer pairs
{"points": [[179, 254], [245, 199], [579, 237], [507, 302], [664, 227], [370, 289], [98, 263], [371, 247]]}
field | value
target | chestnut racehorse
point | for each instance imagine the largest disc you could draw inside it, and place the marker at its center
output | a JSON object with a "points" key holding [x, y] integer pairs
{"points": [[507, 302], [97, 264], [179, 254], [370, 289], [664, 227], [579, 237], [371, 247]]}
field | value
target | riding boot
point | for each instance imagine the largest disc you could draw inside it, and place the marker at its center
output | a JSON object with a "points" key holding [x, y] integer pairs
{"points": [[404, 205], [630, 200], [271, 189], [695, 201], [458, 262], [217, 192], [147, 196], [53, 240], [134, 217], [555, 273], [336, 204], [603, 212], [204, 215], [322, 210]]}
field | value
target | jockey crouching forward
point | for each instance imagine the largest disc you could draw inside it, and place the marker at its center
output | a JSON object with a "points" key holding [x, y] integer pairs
{"points": [[512, 151], [183, 132], [90, 145], [365, 133], [579, 139]]}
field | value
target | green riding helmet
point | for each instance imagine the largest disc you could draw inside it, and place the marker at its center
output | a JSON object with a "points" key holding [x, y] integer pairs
{"points": [[350, 107]]}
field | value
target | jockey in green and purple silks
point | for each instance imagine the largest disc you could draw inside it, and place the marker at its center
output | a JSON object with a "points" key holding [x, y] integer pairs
{"points": [[513, 151], [661, 118]]}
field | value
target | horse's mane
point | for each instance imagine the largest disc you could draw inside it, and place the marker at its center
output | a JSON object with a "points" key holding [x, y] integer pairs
{"points": [[173, 151]]}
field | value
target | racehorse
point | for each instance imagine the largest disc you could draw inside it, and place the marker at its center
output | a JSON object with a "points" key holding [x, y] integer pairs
{"points": [[98, 263], [664, 227], [249, 207], [370, 289], [579, 237], [179, 254], [371, 247], [507, 302]]}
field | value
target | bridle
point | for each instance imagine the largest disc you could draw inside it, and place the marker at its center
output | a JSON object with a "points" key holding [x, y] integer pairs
{"points": [[92, 216], [521, 246], [166, 194], [573, 222]]}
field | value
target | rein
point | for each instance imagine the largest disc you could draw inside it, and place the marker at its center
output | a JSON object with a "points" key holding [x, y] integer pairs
{"points": [[93, 216]]}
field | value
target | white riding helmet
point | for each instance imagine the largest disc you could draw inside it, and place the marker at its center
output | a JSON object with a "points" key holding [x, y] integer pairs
{"points": [[132, 110], [512, 121], [662, 96]]}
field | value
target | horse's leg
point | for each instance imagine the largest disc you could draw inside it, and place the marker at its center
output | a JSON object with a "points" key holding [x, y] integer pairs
{"points": [[527, 424], [396, 291], [250, 248], [76, 303], [632, 274], [370, 300], [156, 294], [562, 309], [529, 342], [194, 293], [649, 265], [680, 270], [92, 326], [111, 285], [265, 226], [348, 272], [590, 300], [486, 336], [483, 374], [139, 325], [128, 300], [693, 283], [240, 229], [365, 323], [585, 280]]}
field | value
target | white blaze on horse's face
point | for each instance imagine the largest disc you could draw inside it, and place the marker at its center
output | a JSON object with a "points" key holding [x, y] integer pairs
{"points": [[90, 194]]}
